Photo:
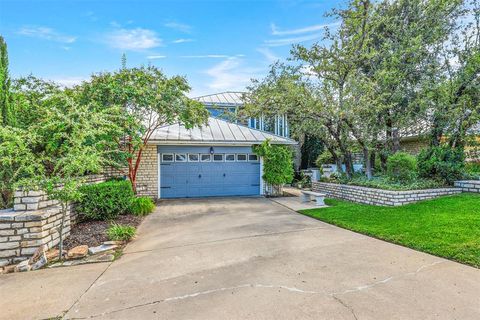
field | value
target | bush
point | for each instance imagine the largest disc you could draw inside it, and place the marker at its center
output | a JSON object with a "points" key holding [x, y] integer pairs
{"points": [[442, 163], [118, 232], [401, 167], [106, 200], [141, 206]]}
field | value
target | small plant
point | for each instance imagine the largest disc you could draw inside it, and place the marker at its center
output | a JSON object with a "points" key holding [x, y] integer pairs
{"points": [[141, 206], [401, 167], [106, 200], [118, 232]]}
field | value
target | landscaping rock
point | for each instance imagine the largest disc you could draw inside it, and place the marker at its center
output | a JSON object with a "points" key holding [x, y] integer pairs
{"points": [[78, 252], [39, 254], [104, 257], [40, 263], [118, 243], [102, 248], [52, 254], [23, 266], [9, 269]]}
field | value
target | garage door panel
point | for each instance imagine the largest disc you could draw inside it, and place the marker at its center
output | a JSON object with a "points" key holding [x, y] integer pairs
{"points": [[204, 179]]}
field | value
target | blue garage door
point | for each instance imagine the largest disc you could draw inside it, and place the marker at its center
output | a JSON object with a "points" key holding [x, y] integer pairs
{"points": [[189, 172]]}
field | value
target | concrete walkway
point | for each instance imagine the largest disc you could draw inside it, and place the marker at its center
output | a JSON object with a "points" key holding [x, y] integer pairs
{"points": [[248, 258]]}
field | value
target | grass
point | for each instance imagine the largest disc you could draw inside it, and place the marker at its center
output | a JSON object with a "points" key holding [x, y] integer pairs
{"points": [[448, 227]]}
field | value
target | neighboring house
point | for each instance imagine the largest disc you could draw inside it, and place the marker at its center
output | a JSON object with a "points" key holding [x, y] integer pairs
{"points": [[226, 105], [214, 160], [415, 138]]}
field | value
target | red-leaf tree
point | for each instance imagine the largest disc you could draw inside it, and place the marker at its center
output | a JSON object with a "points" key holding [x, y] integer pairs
{"points": [[150, 100]]}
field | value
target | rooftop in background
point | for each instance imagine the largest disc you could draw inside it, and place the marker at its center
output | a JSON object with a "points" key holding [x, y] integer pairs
{"points": [[229, 98], [217, 131]]}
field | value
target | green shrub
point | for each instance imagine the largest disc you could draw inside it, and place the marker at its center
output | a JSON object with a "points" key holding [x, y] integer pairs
{"points": [[118, 232], [473, 168], [441, 163], [106, 200], [141, 206], [401, 167]]}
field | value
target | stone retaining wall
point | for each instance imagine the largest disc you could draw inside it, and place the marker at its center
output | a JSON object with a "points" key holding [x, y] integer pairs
{"points": [[379, 197], [468, 185], [32, 222]]}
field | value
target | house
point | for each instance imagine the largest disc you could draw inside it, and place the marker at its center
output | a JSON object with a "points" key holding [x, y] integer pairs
{"points": [[214, 160], [226, 105]]}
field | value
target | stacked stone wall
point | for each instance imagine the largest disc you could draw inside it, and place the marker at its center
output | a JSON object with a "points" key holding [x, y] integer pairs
{"points": [[378, 196]]}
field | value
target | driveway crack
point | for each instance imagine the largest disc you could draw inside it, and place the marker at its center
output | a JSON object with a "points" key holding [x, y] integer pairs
{"points": [[346, 306]]}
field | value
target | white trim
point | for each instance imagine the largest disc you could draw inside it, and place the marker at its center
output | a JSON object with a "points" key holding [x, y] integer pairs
{"points": [[261, 177], [171, 154], [159, 175], [223, 157], [193, 154], [242, 154]]}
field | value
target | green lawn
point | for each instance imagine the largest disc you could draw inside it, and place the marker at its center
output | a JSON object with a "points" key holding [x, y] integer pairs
{"points": [[448, 227]]}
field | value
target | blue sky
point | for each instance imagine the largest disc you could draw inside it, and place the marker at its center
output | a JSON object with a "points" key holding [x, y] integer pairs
{"points": [[217, 45]]}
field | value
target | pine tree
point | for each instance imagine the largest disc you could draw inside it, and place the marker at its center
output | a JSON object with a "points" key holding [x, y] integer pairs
{"points": [[4, 83]]}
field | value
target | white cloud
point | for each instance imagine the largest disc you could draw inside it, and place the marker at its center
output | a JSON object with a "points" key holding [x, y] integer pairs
{"points": [[185, 28], [201, 56], [182, 40], [46, 34], [289, 41], [133, 39], [230, 74], [68, 81], [156, 57], [268, 54], [277, 32]]}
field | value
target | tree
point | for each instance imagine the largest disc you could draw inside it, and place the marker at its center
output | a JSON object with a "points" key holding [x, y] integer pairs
{"points": [[148, 100], [4, 83], [72, 142]]}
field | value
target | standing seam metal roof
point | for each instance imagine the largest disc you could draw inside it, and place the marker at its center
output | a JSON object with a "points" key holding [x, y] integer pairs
{"points": [[216, 131]]}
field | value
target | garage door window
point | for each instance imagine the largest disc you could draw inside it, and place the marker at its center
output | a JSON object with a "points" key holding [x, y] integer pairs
{"points": [[205, 158], [218, 157], [252, 157], [193, 157], [180, 157], [241, 157], [230, 157], [167, 157]]}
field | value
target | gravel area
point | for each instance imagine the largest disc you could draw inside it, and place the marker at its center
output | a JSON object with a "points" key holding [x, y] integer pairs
{"points": [[93, 233]]}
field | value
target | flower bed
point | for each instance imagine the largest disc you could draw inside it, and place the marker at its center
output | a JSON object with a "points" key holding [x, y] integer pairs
{"points": [[379, 197]]}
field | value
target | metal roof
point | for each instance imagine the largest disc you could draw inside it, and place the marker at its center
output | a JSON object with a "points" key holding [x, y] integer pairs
{"points": [[231, 98], [217, 131]]}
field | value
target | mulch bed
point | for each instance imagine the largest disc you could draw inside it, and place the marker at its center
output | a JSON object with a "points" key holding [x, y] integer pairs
{"points": [[93, 233]]}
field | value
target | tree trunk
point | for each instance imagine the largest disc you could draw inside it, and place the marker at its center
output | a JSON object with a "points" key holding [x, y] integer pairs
{"points": [[62, 223], [368, 164], [348, 164], [373, 158]]}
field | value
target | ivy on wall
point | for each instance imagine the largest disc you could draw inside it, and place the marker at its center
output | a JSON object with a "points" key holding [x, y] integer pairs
{"points": [[277, 162]]}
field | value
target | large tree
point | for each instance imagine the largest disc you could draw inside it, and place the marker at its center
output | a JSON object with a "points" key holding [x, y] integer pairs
{"points": [[149, 99]]}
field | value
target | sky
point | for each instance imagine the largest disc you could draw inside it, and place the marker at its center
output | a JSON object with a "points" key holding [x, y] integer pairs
{"points": [[217, 45]]}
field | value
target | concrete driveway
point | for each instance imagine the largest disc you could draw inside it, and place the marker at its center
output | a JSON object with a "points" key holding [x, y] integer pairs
{"points": [[249, 258]]}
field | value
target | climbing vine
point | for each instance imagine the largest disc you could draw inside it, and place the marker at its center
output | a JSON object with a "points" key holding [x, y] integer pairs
{"points": [[277, 162]]}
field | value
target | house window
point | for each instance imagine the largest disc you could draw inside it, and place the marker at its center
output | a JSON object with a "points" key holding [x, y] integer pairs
{"points": [[167, 157], [229, 157], [241, 157], [193, 157], [180, 157], [218, 157], [205, 157], [252, 157]]}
